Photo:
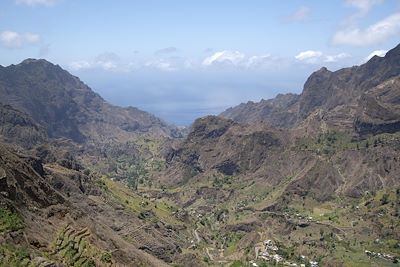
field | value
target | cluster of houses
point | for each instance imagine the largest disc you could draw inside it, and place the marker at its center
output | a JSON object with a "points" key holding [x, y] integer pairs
{"points": [[268, 251], [380, 255]]}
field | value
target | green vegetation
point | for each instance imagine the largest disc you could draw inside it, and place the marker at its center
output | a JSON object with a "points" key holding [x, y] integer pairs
{"points": [[333, 141], [13, 256], [10, 220], [133, 162], [161, 209], [106, 257], [232, 240], [338, 230], [73, 248], [239, 263], [219, 181]]}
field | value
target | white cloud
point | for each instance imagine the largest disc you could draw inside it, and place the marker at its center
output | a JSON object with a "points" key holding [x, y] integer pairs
{"points": [[107, 61], [379, 53], [240, 60], [314, 57], [36, 2], [364, 6], [106, 65], [226, 56], [10, 39], [165, 66], [336, 58], [309, 56], [112, 62], [299, 15], [376, 33], [256, 61], [80, 65], [162, 65]]}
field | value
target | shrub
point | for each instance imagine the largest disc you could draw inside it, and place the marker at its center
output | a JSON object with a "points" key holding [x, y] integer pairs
{"points": [[9, 220], [106, 257]]}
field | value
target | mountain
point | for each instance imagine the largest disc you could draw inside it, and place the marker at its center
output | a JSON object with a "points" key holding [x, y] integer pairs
{"points": [[19, 128], [299, 180], [217, 146], [223, 146], [279, 112], [316, 173], [68, 108], [51, 215], [326, 198], [57, 205], [334, 100]]}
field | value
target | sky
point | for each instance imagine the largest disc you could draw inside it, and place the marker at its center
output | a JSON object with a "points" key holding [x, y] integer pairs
{"points": [[181, 59]]}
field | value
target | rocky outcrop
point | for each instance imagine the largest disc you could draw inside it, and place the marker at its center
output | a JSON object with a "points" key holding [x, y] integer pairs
{"points": [[219, 144], [22, 181], [19, 128], [278, 112]]}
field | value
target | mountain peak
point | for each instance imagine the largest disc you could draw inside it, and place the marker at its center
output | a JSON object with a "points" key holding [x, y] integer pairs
{"points": [[323, 70], [35, 61], [40, 64], [393, 53], [68, 108]]}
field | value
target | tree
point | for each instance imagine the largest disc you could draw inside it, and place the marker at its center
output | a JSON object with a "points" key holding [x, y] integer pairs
{"points": [[385, 199]]}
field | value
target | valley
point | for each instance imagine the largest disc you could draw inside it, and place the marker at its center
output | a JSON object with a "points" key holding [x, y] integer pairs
{"points": [[298, 180]]}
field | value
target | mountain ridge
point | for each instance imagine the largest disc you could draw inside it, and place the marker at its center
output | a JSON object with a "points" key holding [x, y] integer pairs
{"points": [[69, 108], [323, 89]]}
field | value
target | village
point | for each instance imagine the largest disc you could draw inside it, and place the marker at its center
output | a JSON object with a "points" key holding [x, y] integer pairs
{"points": [[380, 255], [268, 251]]}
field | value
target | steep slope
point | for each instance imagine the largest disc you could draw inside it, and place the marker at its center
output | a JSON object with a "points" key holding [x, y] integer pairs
{"points": [[46, 107], [229, 193], [229, 148], [323, 183], [279, 112], [317, 166], [19, 128], [60, 133], [55, 216], [66, 107], [379, 109], [328, 197], [330, 100]]}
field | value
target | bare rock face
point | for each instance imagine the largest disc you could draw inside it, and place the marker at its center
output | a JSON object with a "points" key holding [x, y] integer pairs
{"points": [[279, 112], [22, 182], [379, 109], [19, 128], [219, 144]]}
